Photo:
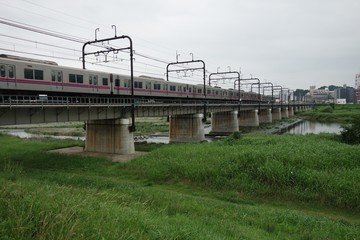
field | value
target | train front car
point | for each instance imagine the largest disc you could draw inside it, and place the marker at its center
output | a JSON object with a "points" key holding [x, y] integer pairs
{"points": [[25, 76]]}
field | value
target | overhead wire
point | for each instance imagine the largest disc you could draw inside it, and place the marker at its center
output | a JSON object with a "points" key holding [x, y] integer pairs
{"points": [[76, 39], [69, 38]]}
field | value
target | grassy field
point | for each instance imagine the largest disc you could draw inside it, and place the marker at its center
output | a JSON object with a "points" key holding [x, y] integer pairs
{"points": [[333, 113], [242, 187]]}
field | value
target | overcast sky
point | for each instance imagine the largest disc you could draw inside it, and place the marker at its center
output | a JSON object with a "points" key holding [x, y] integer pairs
{"points": [[293, 43]]}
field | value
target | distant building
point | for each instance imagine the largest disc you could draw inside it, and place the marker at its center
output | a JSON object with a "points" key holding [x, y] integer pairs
{"points": [[347, 93], [357, 87], [341, 101], [320, 95]]}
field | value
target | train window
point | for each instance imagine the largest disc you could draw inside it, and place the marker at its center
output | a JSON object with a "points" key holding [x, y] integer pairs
{"points": [[184, 89], [39, 74], [117, 82], [11, 69], [105, 81], [28, 73], [138, 84], [79, 78], [199, 90], [157, 86], [2, 71], [179, 88], [165, 87], [76, 78], [172, 88], [72, 78], [190, 90], [148, 85], [90, 79], [208, 91]]}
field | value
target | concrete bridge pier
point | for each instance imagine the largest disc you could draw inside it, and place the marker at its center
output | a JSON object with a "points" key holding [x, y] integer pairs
{"points": [[291, 111], [224, 123], [284, 112], [186, 128], [109, 136], [249, 118], [276, 114], [265, 116]]}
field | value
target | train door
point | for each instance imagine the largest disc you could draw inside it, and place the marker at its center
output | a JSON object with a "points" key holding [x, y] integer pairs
{"points": [[148, 88], [166, 89], [93, 83], [111, 84], [57, 80], [8, 72], [190, 91], [117, 85], [185, 90]]}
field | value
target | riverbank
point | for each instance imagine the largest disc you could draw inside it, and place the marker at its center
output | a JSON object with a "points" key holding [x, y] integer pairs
{"points": [[246, 186], [336, 113], [158, 130]]}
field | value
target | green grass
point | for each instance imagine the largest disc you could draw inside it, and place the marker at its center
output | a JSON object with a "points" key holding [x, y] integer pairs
{"points": [[340, 113], [311, 168], [253, 187]]}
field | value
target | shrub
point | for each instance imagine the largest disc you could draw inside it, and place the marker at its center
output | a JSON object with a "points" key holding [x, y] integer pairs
{"points": [[327, 109], [351, 132]]}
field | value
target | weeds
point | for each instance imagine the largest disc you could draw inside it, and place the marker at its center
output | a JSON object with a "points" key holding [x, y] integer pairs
{"points": [[351, 132], [257, 187]]}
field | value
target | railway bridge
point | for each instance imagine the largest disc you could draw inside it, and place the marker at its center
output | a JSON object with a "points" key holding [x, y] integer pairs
{"points": [[109, 121]]}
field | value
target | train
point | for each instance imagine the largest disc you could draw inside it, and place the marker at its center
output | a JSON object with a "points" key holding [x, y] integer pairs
{"points": [[27, 76]]}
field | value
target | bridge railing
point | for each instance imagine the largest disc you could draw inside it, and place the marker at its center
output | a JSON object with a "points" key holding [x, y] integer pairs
{"points": [[42, 100], [9, 100]]}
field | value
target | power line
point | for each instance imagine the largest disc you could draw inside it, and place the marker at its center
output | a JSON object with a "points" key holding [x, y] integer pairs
{"points": [[40, 30], [64, 37], [42, 43], [39, 55]]}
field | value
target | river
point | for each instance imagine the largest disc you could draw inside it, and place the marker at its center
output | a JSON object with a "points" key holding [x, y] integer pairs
{"points": [[303, 127], [307, 127], [155, 138]]}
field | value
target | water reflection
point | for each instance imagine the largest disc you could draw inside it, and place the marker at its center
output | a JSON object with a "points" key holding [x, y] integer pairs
{"points": [[22, 134], [307, 127], [154, 138]]}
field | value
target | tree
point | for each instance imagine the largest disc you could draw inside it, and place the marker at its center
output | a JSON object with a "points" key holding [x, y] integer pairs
{"points": [[351, 133], [300, 93], [333, 87]]}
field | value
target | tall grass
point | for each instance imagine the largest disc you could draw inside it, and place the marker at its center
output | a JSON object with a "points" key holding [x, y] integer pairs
{"points": [[311, 168], [51, 196], [333, 113]]}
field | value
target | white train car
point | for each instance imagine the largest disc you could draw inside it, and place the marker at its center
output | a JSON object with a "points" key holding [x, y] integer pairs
{"points": [[20, 75], [29, 76]]}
